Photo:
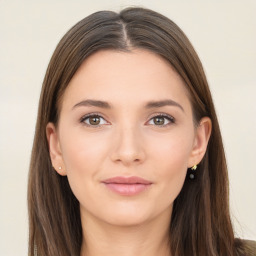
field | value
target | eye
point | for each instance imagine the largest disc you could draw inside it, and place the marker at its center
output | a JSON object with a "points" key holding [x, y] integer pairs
{"points": [[93, 120], [161, 120]]}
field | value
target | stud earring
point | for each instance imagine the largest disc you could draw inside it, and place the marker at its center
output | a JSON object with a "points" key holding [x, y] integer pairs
{"points": [[194, 167], [192, 172], [59, 168]]}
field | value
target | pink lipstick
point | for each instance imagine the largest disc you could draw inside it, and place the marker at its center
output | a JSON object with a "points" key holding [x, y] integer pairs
{"points": [[127, 186]]}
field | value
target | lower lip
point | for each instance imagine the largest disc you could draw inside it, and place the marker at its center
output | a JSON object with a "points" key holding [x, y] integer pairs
{"points": [[127, 189]]}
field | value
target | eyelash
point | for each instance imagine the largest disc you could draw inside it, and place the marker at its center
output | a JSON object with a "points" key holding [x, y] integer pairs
{"points": [[170, 119], [97, 115]]}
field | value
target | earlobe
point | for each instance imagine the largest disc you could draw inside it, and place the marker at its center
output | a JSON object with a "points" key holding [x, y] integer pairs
{"points": [[54, 149], [203, 133]]}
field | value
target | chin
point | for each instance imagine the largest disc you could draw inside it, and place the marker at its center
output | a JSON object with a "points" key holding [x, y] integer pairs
{"points": [[127, 220], [120, 214], [129, 215]]}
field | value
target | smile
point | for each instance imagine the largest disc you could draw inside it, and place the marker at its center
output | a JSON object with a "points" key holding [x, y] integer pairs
{"points": [[127, 186]]}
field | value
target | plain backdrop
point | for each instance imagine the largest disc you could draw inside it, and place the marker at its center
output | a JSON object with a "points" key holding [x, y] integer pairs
{"points": [[222, 32]]}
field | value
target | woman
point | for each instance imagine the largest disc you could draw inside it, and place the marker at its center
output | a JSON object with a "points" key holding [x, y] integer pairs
{"points": [[128, 156]]}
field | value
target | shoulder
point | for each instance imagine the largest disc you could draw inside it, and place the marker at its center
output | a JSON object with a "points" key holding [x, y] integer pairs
{"points": [[250, 247], [246, 247]]}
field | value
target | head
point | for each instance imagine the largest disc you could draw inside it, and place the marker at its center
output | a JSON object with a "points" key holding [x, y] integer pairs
{"points": [[139, 35]]}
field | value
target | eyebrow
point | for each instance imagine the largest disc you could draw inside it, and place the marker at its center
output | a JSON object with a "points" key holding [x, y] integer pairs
{"points": [[163, 103], [104, 104], [92, 103]]}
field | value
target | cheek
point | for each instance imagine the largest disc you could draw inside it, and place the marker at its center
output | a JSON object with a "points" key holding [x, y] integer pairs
{"points": [[83, 156], [172, 152], [170, 163], [80, 150]]}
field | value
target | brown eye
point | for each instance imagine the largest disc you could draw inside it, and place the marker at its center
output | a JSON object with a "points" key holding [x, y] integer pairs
{"points": [[159, 120], [94, 120]]}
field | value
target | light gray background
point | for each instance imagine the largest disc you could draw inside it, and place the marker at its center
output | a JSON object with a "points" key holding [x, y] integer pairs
{"points": [[223, 33]]}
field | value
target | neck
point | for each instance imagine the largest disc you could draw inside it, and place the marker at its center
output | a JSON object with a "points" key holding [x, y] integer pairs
{"points": [[147, 239]]}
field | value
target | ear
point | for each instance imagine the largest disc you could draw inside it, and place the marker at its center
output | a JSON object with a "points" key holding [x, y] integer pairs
{"points": [[54, 149], [202, 135]]}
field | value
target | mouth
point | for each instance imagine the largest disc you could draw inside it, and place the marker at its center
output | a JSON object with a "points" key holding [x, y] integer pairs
{"points": [[127, 186]]}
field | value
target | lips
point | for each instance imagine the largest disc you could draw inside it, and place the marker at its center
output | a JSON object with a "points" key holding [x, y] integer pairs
{"points": [[127, 186]]}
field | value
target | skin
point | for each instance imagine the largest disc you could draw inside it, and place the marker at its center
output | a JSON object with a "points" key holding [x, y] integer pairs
{"points": [[128, 138]]}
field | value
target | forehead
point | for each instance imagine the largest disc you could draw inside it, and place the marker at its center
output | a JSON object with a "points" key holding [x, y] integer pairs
{"points": [[114, 75]]}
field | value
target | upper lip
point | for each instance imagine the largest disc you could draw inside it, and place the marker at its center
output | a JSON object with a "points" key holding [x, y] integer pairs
{"points": [[127, 180]]}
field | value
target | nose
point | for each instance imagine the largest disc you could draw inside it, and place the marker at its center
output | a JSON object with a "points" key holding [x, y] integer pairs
{"points": [[128, 147]]}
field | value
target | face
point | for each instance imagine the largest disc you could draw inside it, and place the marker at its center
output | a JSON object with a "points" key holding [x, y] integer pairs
{"points": [[126, 137]]}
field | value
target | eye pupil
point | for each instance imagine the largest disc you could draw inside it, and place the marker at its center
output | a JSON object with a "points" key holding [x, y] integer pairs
{"points": [[158, 120], [94, 120]]}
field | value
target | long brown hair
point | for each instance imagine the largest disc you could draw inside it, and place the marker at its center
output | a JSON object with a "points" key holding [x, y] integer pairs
{"points": [[200, 222]]}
